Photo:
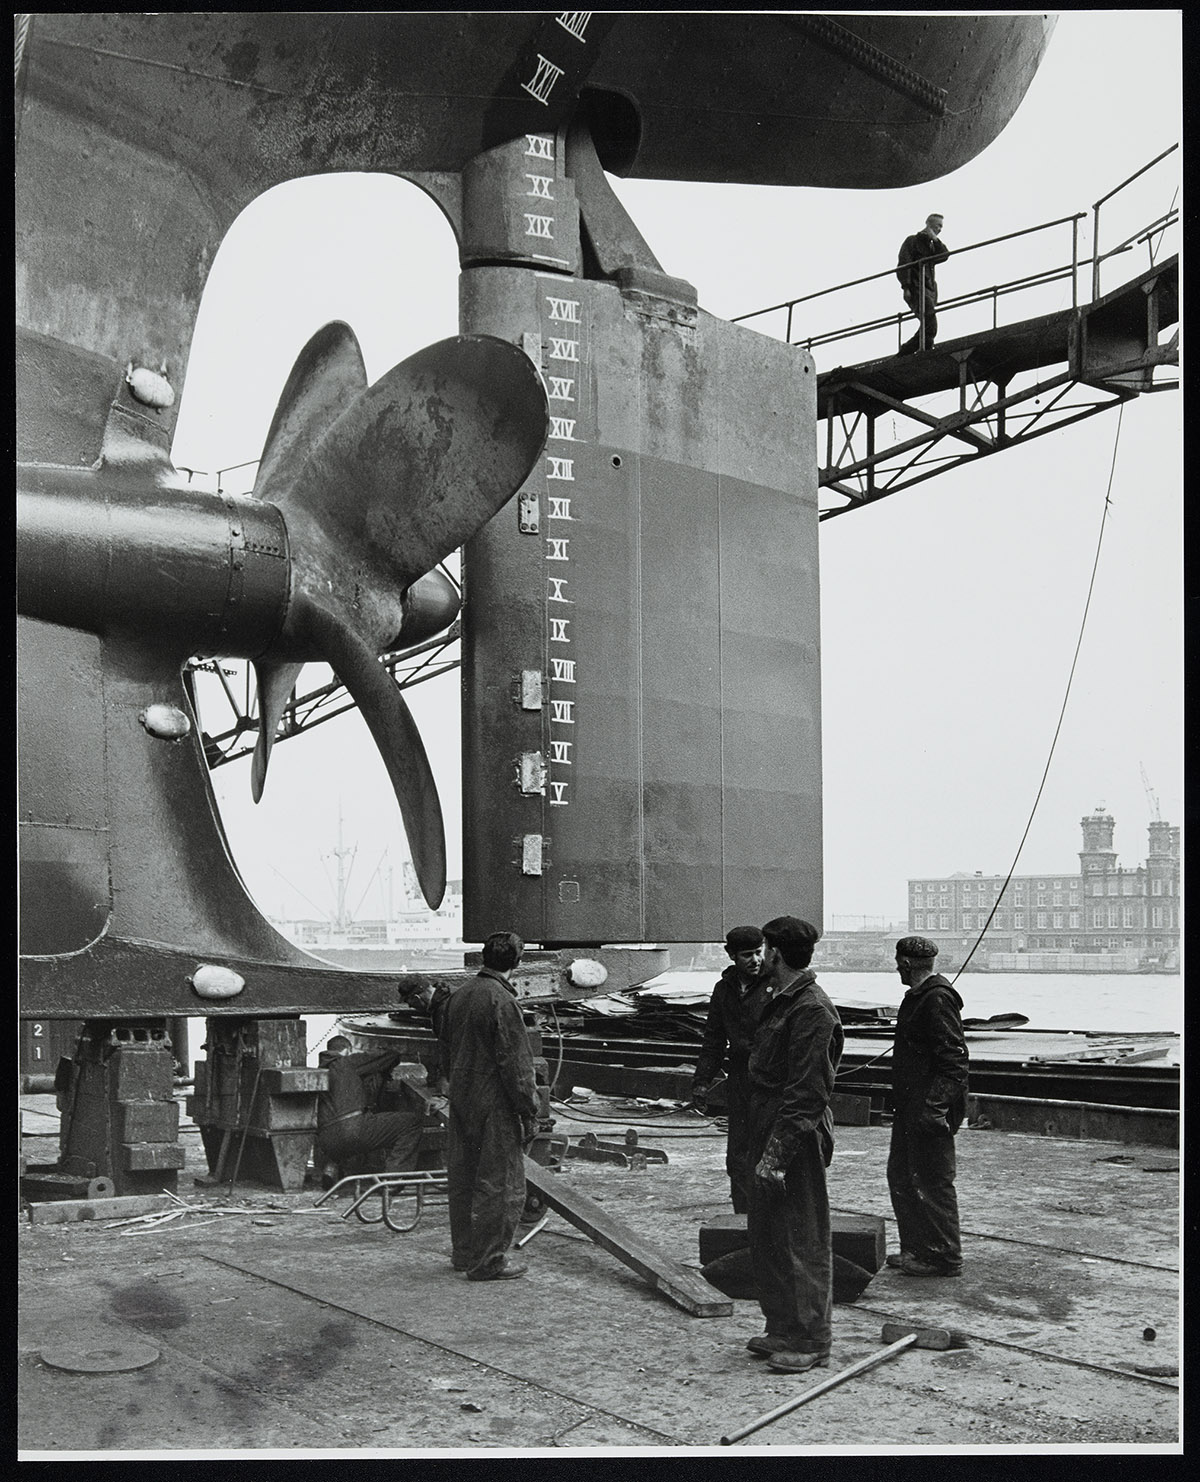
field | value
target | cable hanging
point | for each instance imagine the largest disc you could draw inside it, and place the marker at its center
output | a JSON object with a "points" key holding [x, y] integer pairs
{"points": [[1066, 696]]}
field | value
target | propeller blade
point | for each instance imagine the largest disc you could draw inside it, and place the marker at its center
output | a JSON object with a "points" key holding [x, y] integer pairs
{"points": [[396, 735], [327, 377], [378, 485], [419, 462], [275, 683]]}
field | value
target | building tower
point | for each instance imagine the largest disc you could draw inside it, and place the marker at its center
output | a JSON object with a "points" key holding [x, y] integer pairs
{"points": [[1097, 855], [1162, 858]]}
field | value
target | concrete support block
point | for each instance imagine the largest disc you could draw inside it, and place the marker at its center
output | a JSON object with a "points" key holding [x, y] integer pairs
{"points": [[147, 1121], [144, 1157]]}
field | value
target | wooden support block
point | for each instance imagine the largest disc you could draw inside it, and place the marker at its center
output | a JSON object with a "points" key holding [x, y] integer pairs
{"points": [[286, 1080], [287, 1113], [850, 1111], [858, 1238], [71, 1211], [733, 1274], [685, 1288], [722, 1234]]}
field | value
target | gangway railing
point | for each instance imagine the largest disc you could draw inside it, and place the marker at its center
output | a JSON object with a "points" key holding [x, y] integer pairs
{"points": [[1098, 257], [1070, 270], [1073, 269]]}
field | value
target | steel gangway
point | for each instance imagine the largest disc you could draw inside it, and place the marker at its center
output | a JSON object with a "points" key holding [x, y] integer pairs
{"points": [[899, 419]]}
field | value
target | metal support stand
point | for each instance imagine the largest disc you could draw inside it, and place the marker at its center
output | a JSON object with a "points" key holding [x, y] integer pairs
{"points": [[256, 1101], [119, 1121]]}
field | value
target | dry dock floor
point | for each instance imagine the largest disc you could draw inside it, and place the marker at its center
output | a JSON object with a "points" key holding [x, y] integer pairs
{"points": [[281, 1328]]}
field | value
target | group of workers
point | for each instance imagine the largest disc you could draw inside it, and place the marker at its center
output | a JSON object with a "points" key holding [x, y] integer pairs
{"points": [[778, 1039]]}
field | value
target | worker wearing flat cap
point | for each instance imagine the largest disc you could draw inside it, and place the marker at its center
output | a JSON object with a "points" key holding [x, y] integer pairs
{"points": [[737, 1003], [793, 1065], [929, 1093], [494, 1111]]}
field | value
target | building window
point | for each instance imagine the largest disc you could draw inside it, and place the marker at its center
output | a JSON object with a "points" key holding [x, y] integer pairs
{"points": [[1058, 920], [944, 886], [1156, 887], [1018, 920], [918, 887], [1156, 916], [1127, 920], [1097, 887], [1127, 885], [1058, 900], [945, 923], [1073, 898], [918, 921], [1097, 919], [1041, 920], [1073, 921], [1113, 915]]}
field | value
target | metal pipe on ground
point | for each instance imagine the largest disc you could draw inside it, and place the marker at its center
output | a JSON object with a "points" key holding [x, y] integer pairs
{"points": [[895, 1335]]}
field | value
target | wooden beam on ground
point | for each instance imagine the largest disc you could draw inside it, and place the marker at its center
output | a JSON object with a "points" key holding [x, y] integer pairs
{"points": [[72, 1211], [685, 1288]]}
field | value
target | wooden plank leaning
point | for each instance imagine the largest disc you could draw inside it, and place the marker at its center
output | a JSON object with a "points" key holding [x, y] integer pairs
{"points": [[687, 1289]]}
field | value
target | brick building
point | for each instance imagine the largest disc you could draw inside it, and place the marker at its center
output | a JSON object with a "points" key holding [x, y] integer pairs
{"points": [[1129, 917]]}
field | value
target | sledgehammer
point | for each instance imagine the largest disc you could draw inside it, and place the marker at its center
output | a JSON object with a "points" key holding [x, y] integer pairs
{"points": [[894, 1334]]}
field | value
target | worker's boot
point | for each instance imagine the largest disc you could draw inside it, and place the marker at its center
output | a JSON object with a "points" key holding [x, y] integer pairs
{"points": [[790, 1362], [765, 1344], [911, 1265], [506, 1271]]}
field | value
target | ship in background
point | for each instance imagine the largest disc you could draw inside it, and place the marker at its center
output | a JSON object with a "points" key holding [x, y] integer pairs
{"points": [[408, 936]]}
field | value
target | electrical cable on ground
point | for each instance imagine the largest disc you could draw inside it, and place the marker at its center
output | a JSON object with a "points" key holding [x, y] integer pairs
{"points": [[1066, 696], [618, 1121]]}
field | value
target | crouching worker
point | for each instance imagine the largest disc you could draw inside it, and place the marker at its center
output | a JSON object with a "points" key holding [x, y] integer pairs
{"points": [[352, 1137]]}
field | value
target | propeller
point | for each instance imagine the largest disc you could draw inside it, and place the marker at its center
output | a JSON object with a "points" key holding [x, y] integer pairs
{"points": [[377, 485]]}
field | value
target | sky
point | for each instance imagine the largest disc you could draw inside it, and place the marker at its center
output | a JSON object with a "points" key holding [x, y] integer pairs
{"points": [[950, 612]]}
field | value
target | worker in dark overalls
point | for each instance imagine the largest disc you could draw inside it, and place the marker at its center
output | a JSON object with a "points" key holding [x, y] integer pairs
{"points": [[916, 267], [929, 1092], [733, 1013], [485, 1052], [351, 1134], [793, 1066]]}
